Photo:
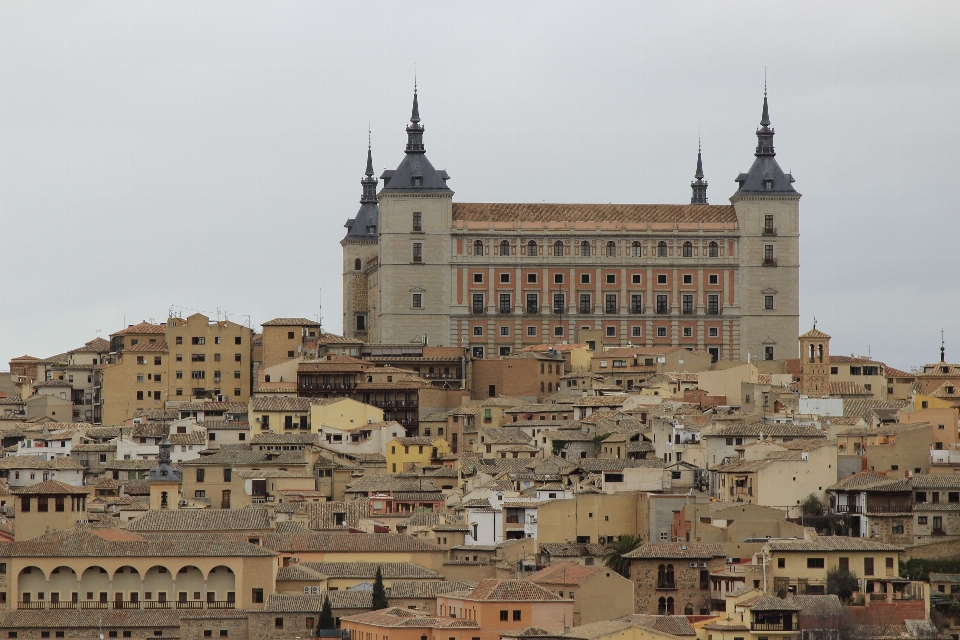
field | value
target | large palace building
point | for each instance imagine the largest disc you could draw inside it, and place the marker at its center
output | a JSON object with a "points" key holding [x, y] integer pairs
{"points": [[495, 277]]}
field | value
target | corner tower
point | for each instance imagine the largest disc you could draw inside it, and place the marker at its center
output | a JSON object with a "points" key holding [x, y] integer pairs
{"points": [[768, 214], [415, 247], [815, 363], [359, 246]]}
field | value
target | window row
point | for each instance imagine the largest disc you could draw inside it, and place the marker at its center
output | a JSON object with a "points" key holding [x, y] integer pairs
{"points": [[584, 249], [199, 357], [609, 278], [586, 304], [636, 331], [200, 340]]}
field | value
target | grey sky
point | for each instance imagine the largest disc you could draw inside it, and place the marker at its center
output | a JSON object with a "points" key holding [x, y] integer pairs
{"points": [[207, 154]]}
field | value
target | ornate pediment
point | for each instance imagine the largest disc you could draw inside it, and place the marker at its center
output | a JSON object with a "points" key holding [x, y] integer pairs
{"points": [[769, 291]]}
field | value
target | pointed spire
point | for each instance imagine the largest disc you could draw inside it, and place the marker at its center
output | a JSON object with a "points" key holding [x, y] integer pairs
{"points": [[699, 185], [369, 182], [765, 132], [415, 129]]}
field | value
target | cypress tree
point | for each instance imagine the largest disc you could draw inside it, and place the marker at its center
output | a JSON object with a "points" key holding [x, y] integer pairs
{"points": [[326, 616], [379, 593]]}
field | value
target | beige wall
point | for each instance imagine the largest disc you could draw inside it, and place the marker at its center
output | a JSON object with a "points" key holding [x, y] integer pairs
{"points": [[726, 382], [590, 515], [795, 569], [343, 414], [279, 344], [219, 339]]}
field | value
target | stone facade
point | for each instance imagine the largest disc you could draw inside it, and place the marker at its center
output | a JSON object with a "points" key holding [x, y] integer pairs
{"points": [[687, 593], [722, 279]]}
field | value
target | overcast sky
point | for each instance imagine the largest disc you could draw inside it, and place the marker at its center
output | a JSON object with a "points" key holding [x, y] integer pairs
{"points": [[207, 154]]}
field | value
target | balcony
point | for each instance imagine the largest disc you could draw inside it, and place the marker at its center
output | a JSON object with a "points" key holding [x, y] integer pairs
{"points": [[939, 532], [666, 584], [152, 604], [63, 605], [786, 625], [769, 262], [220, 604], [769, 231], [31, 605], [125, 604], [848, 508], [94, 604]]}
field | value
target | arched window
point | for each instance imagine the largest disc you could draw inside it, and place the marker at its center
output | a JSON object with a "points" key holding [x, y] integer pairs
{"points": [[541, 387], [713, 250], [532, 249], [611, 249], [661, 249], [687, 249], [478, 248], [504, 248], [688, 610], [820, 352], [813, 352], [584, 249], [357, 265], [662, 606], [670, 606], [163, 500], [637, 250], [549, 387], [558, 248]]}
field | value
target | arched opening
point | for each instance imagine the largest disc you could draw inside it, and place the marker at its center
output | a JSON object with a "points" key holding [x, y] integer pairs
{"points": [[687, 249], [31, 587], [126, 588], [636, 250], [189, 585], [670, 606], [611, 249], [812, 353], [661, 249], [584, 249], [64, 588], [95, 586], [357, 265], [478, 248], [157, 587], [222, 586], [688, 610], [504, 248], [713, 250], [165, 499], [662, 606], [820, 353], [558, 248], [532, 249]]}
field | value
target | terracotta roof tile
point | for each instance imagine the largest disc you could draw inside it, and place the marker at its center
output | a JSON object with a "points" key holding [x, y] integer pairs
{"points": [[549, 212], [510, 591]]}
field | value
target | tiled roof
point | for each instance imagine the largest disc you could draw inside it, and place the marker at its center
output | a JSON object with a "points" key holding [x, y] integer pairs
{"points": [[92, 619], [396, 617], [297, 603], [831, 543], [49, 487], [63, 463], [147, 347], [195, 438], [566, 573], [349, 542], [678, 550], [503, 435], [848, 389], [768, 603], [672, 625], [944, 577], [601, 401], [767, 429], [130, 465], [925, 481], [323, 515], [290, 322], [97, 543], [94, 447], [267, 403], [548, 212], [104, 433], [819, 606], [211, 406], [232, 457], [368, 570], [510, 591], [143, 327], [857, 480], [202, 520], [297, 438], [860, 408], [299, 572], [595, 630]]}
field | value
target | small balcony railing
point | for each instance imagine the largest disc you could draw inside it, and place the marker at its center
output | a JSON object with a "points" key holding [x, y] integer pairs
{"points": [[786, 625], [125, 604], [94, 604], [156, 604], [190, 604], [63, 605], [31, 605], [221, 604], [769, 231], [666, 584], [769, 262]]}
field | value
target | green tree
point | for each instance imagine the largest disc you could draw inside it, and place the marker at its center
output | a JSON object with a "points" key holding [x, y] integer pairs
{"points": [[842, 583], [379, 593], [812, 505], [326, 616], [614, 558]]}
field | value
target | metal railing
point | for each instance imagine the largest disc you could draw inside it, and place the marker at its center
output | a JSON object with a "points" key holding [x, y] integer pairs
{"points": [[666, 584]]}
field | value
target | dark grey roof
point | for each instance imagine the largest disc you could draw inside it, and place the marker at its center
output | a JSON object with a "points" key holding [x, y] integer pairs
{"points": [[415, 165], [765, 167], [367, 216]]}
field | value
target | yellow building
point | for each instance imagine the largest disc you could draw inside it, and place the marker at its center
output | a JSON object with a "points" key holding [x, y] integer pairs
{"points": [[409, 451], [342, 412], [184, 359], [753, 615], [287, 338], [279, 414]]}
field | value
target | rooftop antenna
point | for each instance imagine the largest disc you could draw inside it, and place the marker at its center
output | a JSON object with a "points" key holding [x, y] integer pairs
{"points": [[814, 323], [943, 350]]}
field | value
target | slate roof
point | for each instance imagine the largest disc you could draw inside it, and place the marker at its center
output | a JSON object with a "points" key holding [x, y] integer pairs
{"points": [[555, 212], [202, 520], [678, 550]]}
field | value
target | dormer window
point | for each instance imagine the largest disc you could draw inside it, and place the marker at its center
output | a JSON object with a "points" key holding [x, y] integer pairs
{"points": [[417, 181], [768, 185]]}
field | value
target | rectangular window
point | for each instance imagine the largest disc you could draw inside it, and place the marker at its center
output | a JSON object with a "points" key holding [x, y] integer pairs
{"points": [[611, 303], [768, 353], [687, 304], [662, 304], [768, 302], [611, 331], [585, 306], [417, 221], [558, 278], [815, 563], [516, 615], [713, 332], [418, 252], [768, 223], [478, 303], [478, 278], [531, 331], [636, 303], [532, 306], [478, 353], [418, 301], [478, 330], [504, 303], [505, 331], [768, 254], [558, 303], [661, 332], [584, 278], [713, 305], [504, 614], [198, 340], [868, 566], [636, 332], [361, 322]]}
